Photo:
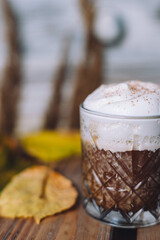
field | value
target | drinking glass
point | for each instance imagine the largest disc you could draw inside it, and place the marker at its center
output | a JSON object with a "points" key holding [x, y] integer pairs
{"points": [[121, 168]]}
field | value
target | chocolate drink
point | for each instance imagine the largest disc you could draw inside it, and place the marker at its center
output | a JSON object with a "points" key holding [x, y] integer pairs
{"points": [[127, 180], [120, 131]]}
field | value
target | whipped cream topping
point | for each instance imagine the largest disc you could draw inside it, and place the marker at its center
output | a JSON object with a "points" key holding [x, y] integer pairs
{"points": [[133, 98]]}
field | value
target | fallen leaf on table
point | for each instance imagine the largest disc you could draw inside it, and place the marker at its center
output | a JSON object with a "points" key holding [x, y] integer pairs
{"points": [[52, 146], [37, 192]]}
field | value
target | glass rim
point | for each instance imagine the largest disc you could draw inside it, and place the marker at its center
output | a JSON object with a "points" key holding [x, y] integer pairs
{"points": [[107, 115]]}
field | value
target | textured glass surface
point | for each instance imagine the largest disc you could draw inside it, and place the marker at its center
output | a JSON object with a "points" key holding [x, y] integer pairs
{"points": [[120, 188]]}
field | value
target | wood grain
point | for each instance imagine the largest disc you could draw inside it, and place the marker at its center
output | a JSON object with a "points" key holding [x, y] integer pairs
{"points": [[150, 233], [73, 224]]}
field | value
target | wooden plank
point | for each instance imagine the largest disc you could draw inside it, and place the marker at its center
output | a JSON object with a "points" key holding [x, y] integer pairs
{"points": [[89, 228], [6, 226], [29, 223], [46, 230], [73, 224], [15, 230], [149, 233], [69, 226]]}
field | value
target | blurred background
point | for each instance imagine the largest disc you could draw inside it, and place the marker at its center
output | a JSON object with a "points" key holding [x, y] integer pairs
{"points": [[54, 53]]}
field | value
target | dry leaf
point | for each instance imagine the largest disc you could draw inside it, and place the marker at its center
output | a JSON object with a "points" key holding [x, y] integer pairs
{"points": [[37, 192], [52, 146]]}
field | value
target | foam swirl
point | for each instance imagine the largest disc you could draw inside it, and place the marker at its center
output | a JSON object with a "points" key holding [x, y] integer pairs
{"points": [[132, 98]]}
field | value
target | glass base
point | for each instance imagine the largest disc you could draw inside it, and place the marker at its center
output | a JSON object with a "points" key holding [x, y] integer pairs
{"points": [[119, 218]]}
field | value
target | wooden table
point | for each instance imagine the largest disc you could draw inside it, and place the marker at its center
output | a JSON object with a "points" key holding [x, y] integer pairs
{"points": [[72, 224]]}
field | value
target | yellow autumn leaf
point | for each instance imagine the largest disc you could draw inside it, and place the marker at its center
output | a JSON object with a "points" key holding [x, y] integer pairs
{"points": [[37, 192], [52, 145]]}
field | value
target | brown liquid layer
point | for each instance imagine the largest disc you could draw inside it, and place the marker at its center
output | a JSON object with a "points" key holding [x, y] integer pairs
{"points": [[127, 180]]}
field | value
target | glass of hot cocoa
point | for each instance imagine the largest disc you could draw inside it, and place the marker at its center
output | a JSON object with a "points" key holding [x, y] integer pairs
{"points": [[120, 132]]}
